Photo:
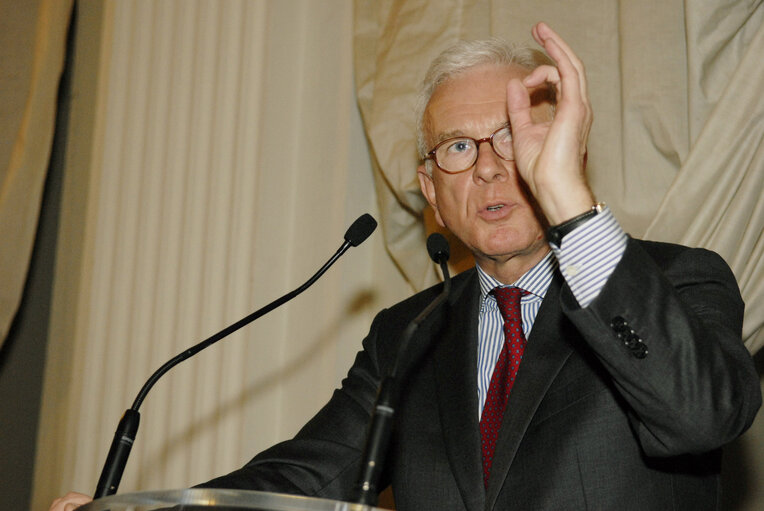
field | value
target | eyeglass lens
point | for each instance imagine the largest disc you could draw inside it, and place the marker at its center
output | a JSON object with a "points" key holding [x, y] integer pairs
{"points": [[459, 154]]}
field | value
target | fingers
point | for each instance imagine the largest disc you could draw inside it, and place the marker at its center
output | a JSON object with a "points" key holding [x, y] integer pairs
{"points": [[562, 54], [541, 75], [543, 33], [70, 502], [570, 81], [550, 153]]}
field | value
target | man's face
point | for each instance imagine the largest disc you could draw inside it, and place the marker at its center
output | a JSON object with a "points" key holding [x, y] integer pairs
{"points": [[486, 206]]}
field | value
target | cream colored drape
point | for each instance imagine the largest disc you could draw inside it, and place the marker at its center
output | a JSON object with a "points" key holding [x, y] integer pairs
{"points": [[216, 157], [32, 48], [676, 148]]}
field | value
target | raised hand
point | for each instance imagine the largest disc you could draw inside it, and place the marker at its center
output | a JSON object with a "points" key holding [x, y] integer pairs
{"points": [[550, 153]]}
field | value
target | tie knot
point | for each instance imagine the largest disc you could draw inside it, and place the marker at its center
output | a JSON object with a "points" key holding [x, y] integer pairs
{"points": [[508, 300]]}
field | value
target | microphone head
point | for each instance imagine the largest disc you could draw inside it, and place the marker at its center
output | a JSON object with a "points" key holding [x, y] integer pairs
{"points": [[360, 229], [438, 248]]}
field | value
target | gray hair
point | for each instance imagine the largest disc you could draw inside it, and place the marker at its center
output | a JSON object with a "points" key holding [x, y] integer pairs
{"points": [[463, 56]]}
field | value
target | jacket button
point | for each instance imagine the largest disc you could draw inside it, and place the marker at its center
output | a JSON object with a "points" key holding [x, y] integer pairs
{"points": [[618, 323], [640, 351], [632, 341]]}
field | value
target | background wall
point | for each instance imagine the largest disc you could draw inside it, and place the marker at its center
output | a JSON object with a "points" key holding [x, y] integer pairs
{"points": [[212, 157], [217, 158]]}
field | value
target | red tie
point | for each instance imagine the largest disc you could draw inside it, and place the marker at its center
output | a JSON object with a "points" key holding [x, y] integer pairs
{"points": [[503, 378]]}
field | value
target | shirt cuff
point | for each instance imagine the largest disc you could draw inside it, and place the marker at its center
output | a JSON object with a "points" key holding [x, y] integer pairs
{"points": [[589, 254]]}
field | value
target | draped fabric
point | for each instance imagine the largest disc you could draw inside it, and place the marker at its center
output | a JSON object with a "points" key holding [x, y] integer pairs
{"points": [[215, 155], [215, 158], [676, 149], [716, 199], [32, 48]]}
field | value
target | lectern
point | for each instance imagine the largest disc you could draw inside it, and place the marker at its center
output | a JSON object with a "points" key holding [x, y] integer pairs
{"points": [[218, 500]]}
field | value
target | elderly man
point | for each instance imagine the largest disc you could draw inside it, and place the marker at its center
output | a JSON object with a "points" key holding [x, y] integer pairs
{"points": [[574, 367]]}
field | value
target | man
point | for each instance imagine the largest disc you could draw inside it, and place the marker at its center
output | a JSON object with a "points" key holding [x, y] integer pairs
{"points": [[620, 369]]}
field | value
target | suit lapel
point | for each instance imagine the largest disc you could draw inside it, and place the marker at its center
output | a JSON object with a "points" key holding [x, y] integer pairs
{"points": [[544, 357], [455, 359]]}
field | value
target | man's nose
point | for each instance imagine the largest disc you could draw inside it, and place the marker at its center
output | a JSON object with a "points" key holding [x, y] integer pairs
{"points": [[489, 166]]}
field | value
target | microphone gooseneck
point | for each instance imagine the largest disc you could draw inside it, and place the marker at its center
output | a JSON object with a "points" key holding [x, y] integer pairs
{"points": [[127, 429], [380, 426]]}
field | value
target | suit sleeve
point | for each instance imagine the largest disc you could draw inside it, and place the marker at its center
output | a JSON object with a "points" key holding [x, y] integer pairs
{"points": [[323, 458], [667, 326]]}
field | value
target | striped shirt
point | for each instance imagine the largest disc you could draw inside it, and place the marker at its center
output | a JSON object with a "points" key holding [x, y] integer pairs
{"points": [[587, 256]]}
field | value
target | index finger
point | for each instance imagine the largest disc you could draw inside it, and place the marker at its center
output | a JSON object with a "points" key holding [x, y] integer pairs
{"points": [[571, 67]]}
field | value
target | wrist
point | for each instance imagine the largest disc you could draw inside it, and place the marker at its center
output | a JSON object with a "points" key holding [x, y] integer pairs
{"points": [[565, 202], [556, 232]]}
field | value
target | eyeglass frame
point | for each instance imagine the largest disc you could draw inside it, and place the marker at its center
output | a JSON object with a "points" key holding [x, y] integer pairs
{"points": [[478, 141]]}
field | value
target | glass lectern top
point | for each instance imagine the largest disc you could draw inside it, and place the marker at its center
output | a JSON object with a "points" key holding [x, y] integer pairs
{"points": [[218, 500]]}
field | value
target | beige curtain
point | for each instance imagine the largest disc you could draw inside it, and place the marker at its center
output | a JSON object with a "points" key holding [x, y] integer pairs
{"points": [[717, 197], [215, 158], [676, 147], [32, 48]]}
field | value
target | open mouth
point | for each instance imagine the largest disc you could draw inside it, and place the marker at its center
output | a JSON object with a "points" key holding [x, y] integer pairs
{"points": [[497, 207]]}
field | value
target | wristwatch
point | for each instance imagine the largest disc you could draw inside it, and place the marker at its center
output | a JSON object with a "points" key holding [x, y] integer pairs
{"points": [[555, 233]]}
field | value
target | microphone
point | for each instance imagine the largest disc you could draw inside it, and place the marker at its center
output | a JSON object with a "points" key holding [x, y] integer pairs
{"points": [[438, 248], [360, 230], [380, 427], [128, 425]]}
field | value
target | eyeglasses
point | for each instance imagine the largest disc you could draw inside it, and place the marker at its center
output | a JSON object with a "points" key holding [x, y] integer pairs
{"points": [[458, 154]]}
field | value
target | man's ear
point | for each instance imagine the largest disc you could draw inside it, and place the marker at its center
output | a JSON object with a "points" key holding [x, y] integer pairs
{"points": [[428, 190], [427, 186]]}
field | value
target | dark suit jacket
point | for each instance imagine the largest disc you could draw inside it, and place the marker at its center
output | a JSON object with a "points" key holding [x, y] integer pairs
{"points": [[589, 424]]}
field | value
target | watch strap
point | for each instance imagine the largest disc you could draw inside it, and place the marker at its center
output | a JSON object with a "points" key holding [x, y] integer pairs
{"points": [[555, 233]]}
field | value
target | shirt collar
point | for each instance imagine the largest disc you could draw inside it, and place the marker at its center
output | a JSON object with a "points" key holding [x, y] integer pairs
{"points": [[536, 280]]}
